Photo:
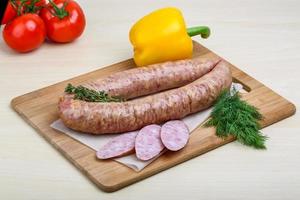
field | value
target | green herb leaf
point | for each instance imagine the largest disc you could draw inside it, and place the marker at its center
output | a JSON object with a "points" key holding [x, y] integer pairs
{"points": [[233, 116], [86, 94]]}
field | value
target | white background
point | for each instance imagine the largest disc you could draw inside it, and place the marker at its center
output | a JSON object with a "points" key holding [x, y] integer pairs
{"points": [[260, 37]]}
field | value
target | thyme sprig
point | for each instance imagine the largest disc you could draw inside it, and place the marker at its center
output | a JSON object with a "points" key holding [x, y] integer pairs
{"points": [[86, 94], [233, 116]]}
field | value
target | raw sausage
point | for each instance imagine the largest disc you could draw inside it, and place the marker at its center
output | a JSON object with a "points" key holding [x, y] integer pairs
{"points": [[116, 117], [119, 146], [142, 81], [148, 143], [174, 135]]}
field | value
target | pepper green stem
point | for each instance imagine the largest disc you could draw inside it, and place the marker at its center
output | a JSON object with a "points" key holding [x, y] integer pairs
{"points": [[204, 31]]}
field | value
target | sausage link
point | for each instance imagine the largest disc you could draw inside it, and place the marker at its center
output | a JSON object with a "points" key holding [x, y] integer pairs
{"points": [[152, 79], [101, 118]]}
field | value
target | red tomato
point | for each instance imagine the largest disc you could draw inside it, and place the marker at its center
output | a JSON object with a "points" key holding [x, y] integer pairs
{"points": [[11, 11], [25, 33], [64, 22], [10, 14]]}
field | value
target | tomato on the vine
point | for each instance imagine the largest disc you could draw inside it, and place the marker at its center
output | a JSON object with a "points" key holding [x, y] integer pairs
{"points": [[9, 14], [64, 20], [25, 33], [26, 6]]}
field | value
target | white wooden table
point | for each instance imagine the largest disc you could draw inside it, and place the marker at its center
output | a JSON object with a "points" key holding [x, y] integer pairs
{"points": [[261, 37]]}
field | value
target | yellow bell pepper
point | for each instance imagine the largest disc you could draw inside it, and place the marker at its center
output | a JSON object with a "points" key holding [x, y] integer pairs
{"points": [[162, 36]]}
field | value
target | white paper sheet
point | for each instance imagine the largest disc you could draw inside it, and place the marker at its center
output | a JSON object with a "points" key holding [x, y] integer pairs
{"points": [[96, 141]]}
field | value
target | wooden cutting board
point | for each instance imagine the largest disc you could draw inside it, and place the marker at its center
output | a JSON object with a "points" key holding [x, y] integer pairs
{"points": [[39, 109]]}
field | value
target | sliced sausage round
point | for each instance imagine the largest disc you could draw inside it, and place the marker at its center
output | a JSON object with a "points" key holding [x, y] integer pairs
{"points": [[174, 135], [119, 146], [148, 143]]}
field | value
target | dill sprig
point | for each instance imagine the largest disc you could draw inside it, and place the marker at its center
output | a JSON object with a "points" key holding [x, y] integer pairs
{"points": [[233, 116], [86, 94]]}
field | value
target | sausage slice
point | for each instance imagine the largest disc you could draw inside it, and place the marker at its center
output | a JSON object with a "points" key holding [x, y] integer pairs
{"points": [[119, 146], [148, 143], [174, 135]]}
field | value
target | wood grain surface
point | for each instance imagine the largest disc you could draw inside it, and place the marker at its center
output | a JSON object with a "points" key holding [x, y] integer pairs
{"points": [[39, 109]]}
